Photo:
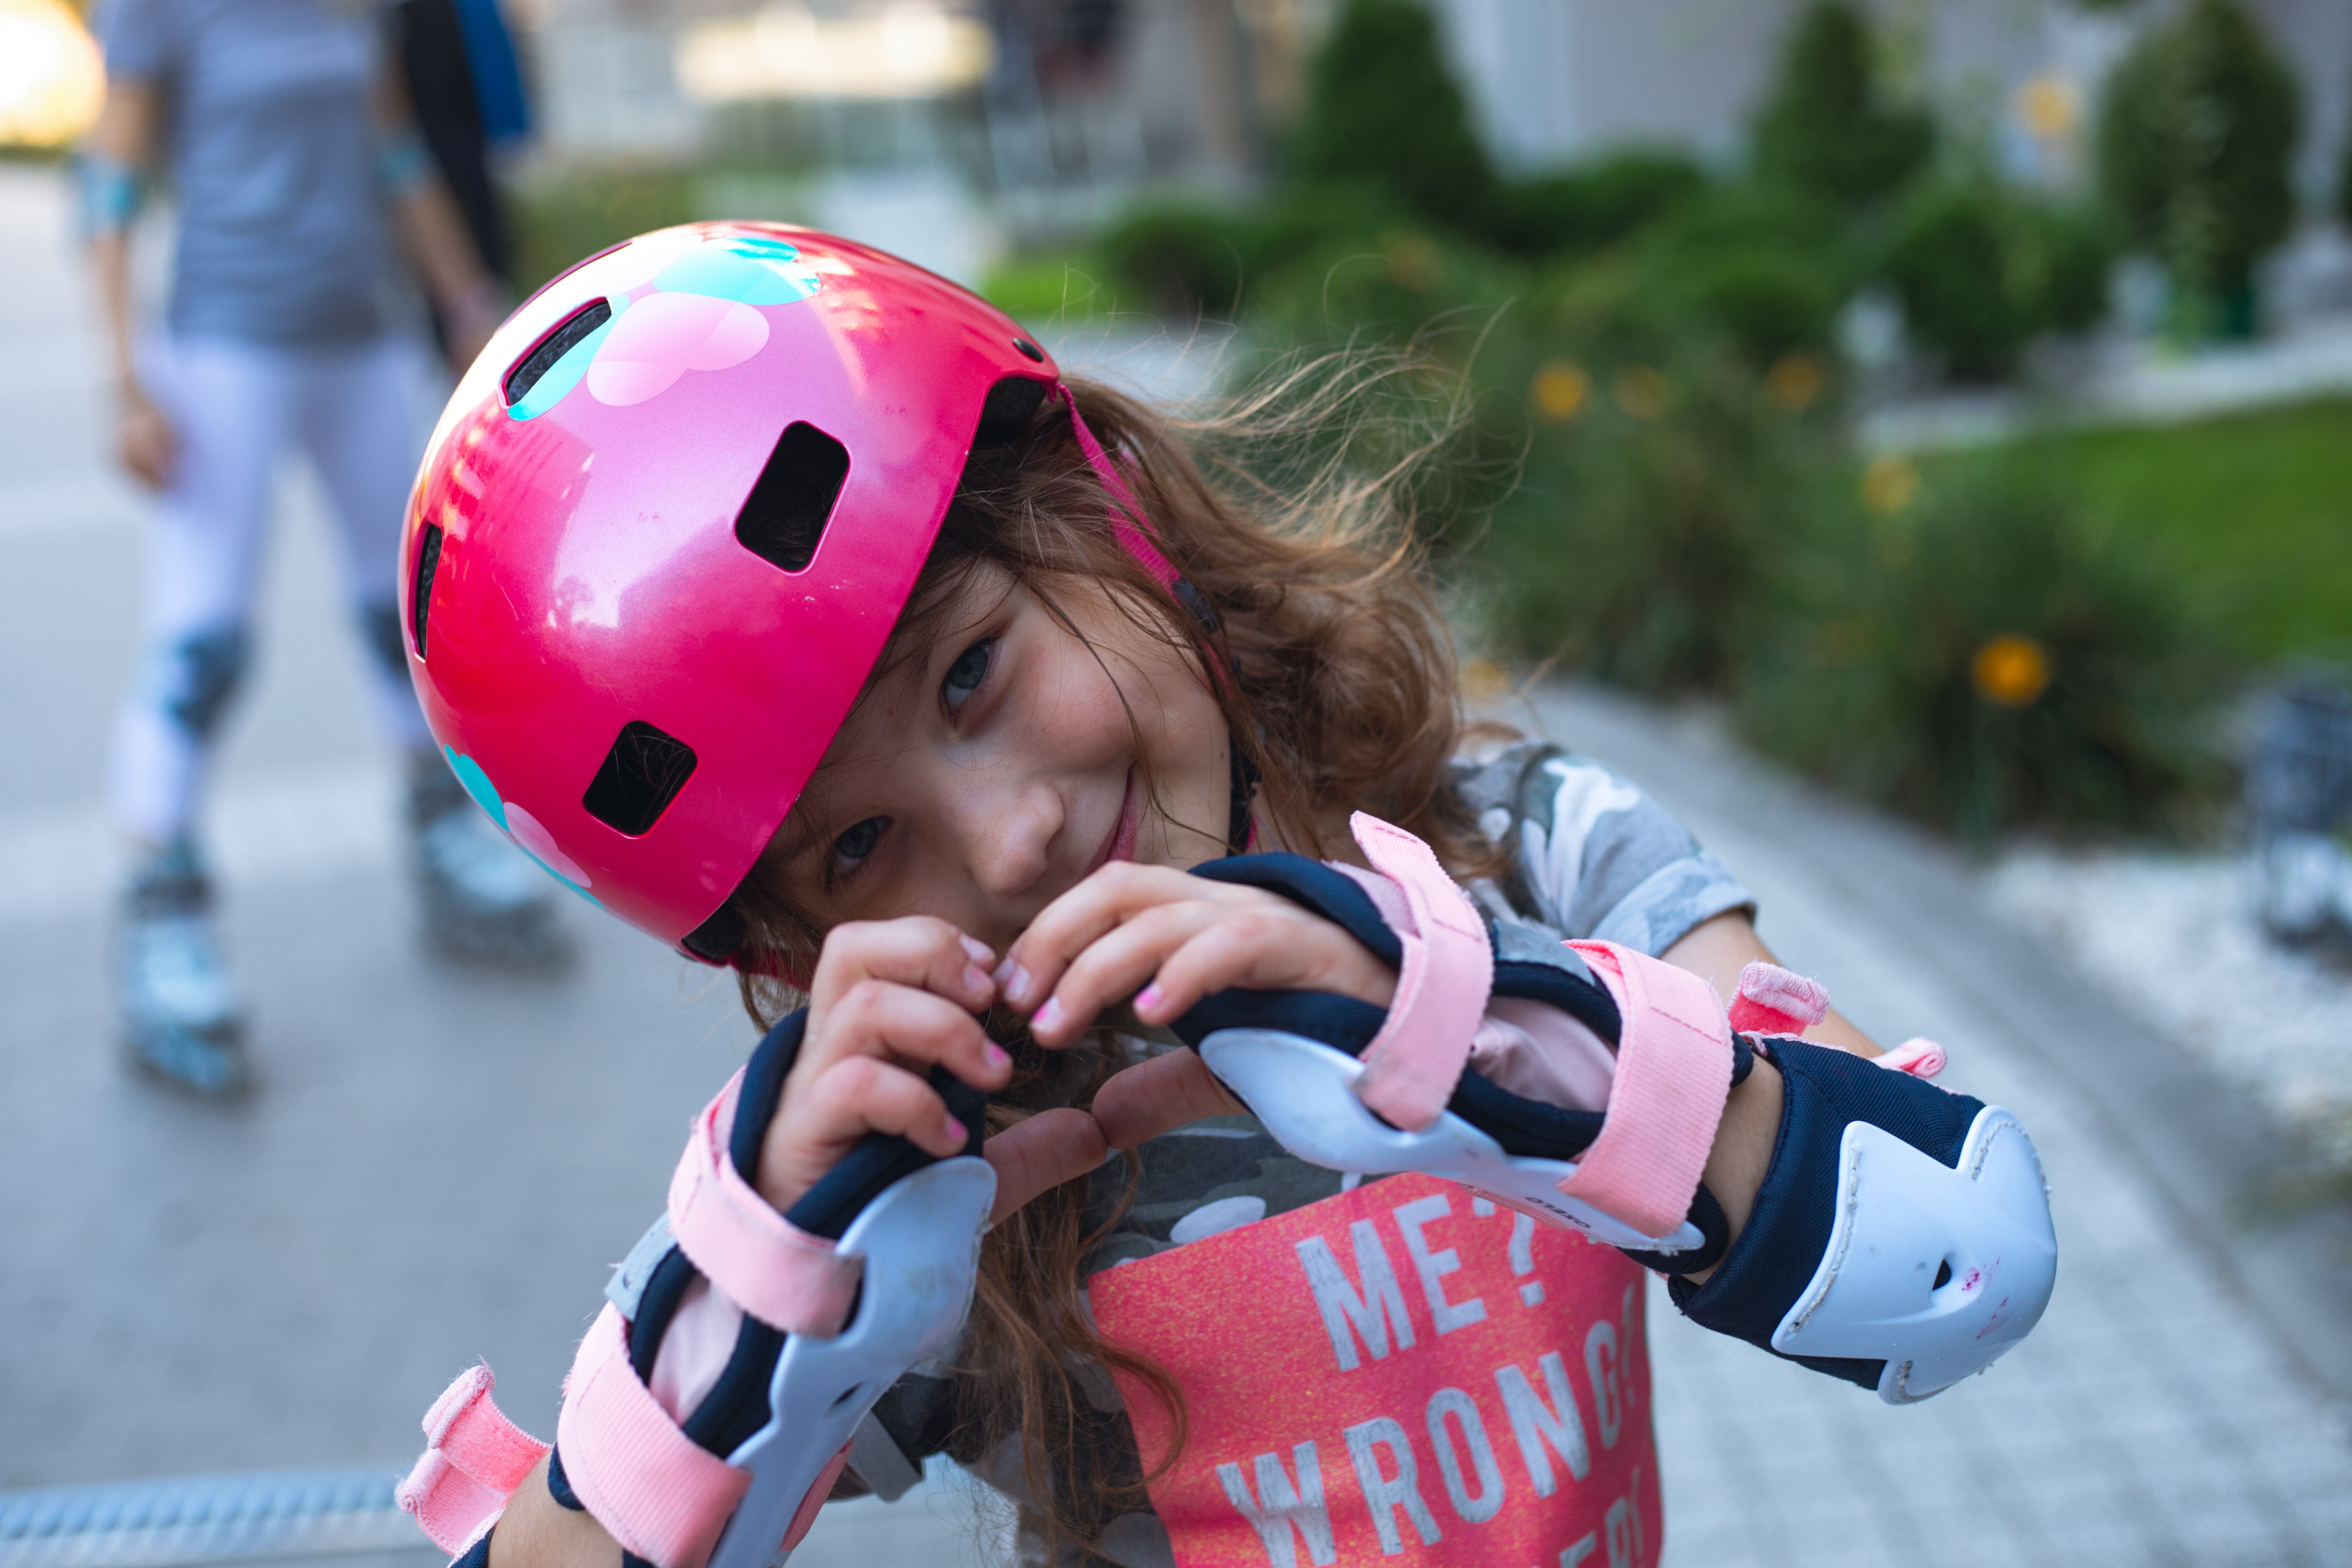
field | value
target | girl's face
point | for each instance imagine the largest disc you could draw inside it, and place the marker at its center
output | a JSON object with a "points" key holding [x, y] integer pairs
{"points": [[995, 768]]}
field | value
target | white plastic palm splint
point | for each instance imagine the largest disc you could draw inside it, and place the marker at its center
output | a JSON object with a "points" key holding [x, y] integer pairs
{"points": [[1385, 1112], [857, 1314]]}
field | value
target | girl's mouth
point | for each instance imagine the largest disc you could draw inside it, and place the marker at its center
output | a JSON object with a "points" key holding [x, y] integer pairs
{"points": [[1120, 844]]}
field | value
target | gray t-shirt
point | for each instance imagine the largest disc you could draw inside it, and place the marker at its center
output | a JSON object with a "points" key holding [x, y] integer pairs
{"points": [[270, 144]]}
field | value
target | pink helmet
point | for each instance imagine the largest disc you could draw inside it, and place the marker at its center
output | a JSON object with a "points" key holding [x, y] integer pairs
{"points": [[662, 531]]}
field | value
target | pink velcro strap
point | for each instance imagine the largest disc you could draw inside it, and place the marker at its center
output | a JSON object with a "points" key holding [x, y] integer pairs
{"points": [[450, 1505], [655, 1490], [1674, 1074], [1918, 1056], [1443, 982], [1773, 1001], [466, 1425], [804, 1516], [1127, 523], [771, 1268], [474, 1458]]}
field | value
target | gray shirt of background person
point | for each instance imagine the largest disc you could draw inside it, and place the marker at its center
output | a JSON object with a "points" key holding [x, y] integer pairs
{"points": [[270, 148]]}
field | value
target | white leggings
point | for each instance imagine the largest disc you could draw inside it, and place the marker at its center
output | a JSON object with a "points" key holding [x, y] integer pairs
{"points": [[234, 409]]}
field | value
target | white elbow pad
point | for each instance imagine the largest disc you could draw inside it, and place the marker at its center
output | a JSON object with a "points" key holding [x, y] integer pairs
{"points": [[1902, 1238]]}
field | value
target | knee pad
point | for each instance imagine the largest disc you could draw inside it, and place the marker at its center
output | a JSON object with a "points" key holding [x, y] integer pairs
{"points": [[193, 678], [1901, 1239], [870, 1272]]}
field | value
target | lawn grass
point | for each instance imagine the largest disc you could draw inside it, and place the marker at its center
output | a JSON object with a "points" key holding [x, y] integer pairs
{"points": [[2254, 510]]}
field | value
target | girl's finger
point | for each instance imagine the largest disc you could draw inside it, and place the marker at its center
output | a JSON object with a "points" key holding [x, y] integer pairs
{"points": [[874, 1017], [1141, 1102], [1034, 964], [1264, 950], [918, 951], [1040, 1154], [849, 1099], [1117, 963]]}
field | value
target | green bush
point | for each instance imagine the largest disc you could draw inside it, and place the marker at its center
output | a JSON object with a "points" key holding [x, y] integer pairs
{"points": [[1767, 268], [1828, 125], [567, 218], [1592, 206], [1382, 111], [1057, 288], [1422, 284], [1981, 658], [1982, 271], [1181, 259], [1653, 502], [2196, 137]]}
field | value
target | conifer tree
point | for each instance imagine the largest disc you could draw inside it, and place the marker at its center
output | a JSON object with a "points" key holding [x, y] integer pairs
{"points": [[1382, 111], [1827, 124], [2195, 139]]}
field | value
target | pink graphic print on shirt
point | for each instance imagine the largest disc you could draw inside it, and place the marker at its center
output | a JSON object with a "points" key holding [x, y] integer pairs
{"points": [[1404, 1372]]}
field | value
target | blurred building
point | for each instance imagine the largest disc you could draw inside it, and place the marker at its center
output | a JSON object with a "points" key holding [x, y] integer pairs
{"points": [[1054, 113], [1056, 107], [1554, 80]]}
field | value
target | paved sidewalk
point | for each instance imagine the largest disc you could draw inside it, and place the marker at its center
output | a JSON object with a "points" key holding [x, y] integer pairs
{"points": [[2157, 1417]]}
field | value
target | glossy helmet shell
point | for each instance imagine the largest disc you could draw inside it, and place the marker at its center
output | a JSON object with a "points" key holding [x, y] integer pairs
{"points": [[663, 531]]}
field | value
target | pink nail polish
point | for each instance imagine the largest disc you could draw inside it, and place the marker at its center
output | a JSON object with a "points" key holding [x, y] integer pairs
{"points": [[1017, 984], [1049, 1016], [977, 950], [1147, 999], [975, 979], [993, 1054], [954, 1129]]}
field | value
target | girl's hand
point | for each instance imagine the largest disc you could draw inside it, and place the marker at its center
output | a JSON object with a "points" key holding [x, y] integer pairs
{"points": [[1167, 939], [890, 999], [1178, 937], [142, 438]]}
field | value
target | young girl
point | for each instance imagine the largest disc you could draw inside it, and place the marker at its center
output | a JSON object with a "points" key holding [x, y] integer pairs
{"points": [[785, 601]]}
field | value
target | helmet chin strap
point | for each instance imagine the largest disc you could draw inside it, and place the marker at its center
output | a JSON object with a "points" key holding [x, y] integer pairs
{"points": [[1132, 529]]}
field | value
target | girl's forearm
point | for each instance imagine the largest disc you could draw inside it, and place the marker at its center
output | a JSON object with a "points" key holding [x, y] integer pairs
{"points": [[1717, 951], [109, 262], [437, 243], [537, 1531]]}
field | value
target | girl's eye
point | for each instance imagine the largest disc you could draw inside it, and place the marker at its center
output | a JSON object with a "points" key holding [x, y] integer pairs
{"points": [[964, 675], [855, 844]]}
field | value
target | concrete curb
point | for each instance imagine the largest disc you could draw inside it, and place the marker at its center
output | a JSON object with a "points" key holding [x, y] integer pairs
{"points": [[2220, 1164]]}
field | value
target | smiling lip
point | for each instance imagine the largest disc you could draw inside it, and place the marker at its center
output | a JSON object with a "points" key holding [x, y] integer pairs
{"points": [[1120, 844]]}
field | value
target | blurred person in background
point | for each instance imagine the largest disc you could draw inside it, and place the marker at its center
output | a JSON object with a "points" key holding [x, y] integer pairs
{"points": [[283, 130]]}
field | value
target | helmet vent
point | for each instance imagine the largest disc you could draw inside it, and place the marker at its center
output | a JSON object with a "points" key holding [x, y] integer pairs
{"points": [[641, 775], [1012, 403], [566, 337], [785, 516], [420, 596]]}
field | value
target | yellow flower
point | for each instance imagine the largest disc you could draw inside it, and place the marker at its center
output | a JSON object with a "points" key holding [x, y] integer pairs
{"points": [[1482, 679], [1794, 382], [1889, 484], [2049, 106], [2011, 671], [1561, 388], [1641, 391]]}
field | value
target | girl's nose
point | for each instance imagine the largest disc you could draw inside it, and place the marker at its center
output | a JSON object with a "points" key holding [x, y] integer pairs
{"points": [[1009, 838]]}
